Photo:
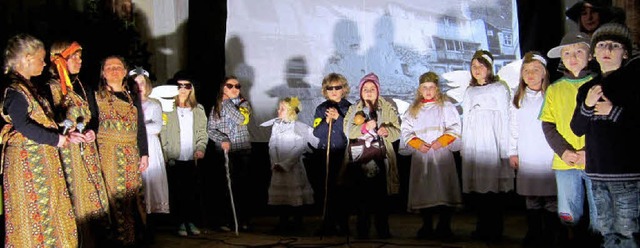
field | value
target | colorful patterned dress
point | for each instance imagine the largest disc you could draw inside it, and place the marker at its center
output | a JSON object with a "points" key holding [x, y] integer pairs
{"points": [[38, 211], [82, 170], [117, 141]]}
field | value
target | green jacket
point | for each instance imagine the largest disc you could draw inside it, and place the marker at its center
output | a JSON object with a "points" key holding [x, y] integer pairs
{"points": [[388, 118], [170, 134]]}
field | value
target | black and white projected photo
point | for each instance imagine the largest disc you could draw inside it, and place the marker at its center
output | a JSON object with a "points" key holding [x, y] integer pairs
{"points": [[282, 48]]}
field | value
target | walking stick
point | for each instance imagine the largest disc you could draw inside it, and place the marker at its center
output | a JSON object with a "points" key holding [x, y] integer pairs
{"points": [[326, 179], [233, 206]]}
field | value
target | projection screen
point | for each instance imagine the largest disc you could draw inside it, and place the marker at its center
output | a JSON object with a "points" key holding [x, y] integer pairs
{"points": [[281, 48]]}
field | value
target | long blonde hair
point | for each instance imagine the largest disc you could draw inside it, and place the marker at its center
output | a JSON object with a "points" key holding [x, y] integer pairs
{"points": [[415, 107], [17, 47], [520, 92], [191, 99]]}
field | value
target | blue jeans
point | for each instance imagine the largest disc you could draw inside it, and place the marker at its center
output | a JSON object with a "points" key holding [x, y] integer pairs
{"points": [[573, 185], [617, 205]]}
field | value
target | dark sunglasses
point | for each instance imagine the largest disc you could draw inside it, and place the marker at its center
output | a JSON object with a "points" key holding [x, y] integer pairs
{"points": [[186, 86], [339, 87], [231, 86]]}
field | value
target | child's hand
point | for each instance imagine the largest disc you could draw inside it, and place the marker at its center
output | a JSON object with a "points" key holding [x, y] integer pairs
{"points": [[435, 145], [593, 95], [331, 114], [514, 161], [603, 107], [570, 157], [424, 148], [382, 131], [371, 125], [581, 157]]}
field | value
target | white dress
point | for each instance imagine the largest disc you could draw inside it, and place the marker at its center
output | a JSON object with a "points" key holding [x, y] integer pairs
{"points": [[433, 179], [535, 176], [287, 144], [485, 138], [156, 191]]}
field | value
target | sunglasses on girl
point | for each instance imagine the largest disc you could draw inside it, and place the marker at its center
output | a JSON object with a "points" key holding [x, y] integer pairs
{"points": [[339, 87], [231, 86], [186, 86]]}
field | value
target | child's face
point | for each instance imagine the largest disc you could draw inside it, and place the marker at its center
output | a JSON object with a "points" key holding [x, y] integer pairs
{"points": [[141, 84], [428, 90], [479, 71], [609, 55], [575, 57], [369, 92], [532, 74], [283, 111], [589, 19], [335, 91], [231, 89]]}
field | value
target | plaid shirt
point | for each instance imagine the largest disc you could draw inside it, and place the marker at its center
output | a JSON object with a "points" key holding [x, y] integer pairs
{"points": [[228, 127]]}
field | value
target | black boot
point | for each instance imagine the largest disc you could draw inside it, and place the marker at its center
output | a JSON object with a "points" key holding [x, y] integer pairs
{"points": [[426, 231], [550, 228], [443, 230], [534, 228]]}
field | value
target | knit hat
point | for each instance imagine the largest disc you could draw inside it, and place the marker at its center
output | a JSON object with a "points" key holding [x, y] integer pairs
{"points": [[613, 32], [568, 39], [371, 77]]}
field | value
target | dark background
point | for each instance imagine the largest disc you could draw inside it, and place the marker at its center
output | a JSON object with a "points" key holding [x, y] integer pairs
{"points": [[105, 31]]}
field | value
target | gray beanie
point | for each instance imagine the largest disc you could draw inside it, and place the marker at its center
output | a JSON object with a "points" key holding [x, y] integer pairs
{"points": [[613, 32]]}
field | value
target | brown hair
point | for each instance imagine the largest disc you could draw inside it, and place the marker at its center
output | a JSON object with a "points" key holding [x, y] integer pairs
{"points": [[491, 77], [104, 91], [218, 107]]}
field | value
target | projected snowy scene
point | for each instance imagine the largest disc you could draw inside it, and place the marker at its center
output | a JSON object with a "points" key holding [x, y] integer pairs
{"points": [[282, 48]]}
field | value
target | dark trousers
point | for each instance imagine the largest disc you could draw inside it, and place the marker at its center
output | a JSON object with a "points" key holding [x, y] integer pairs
{"points": [[241, 183], [372, 199], [489, 209], [183, 191], [336, 212]]}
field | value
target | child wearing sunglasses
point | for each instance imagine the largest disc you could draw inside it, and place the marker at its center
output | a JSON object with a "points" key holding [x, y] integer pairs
{"points": [[184, 141], [228, 128], [335, 89]]}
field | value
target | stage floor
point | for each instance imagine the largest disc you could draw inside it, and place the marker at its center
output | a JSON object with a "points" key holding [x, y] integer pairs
{"points": [[403, 230]]}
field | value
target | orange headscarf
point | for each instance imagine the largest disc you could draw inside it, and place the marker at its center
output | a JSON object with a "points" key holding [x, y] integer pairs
{"points": [[60, 60]]}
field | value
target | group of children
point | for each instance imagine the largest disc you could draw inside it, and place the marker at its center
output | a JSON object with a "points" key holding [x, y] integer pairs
{"points": [[561, 141]]}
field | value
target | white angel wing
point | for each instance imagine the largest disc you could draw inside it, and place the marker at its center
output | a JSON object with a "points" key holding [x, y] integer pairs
{"points": [[268, 123], [510, 73], [456, 83], [402, 105], [165, 94]]}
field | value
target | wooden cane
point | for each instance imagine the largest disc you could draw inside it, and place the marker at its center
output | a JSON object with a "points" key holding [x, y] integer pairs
{"points": [[326, 178]]}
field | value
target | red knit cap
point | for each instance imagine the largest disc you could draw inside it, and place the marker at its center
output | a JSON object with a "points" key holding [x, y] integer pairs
{"points": [[371, 77]]}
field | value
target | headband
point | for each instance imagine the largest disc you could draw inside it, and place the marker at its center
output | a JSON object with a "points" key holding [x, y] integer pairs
{"points": [[60, 60], [540, 58], [139, 71], [488, 58]]}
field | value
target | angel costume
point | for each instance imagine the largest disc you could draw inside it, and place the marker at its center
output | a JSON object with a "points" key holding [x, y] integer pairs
{"points": [[433, 179], [485, 133], [535, 176], [156, 189], [287, 144]]}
